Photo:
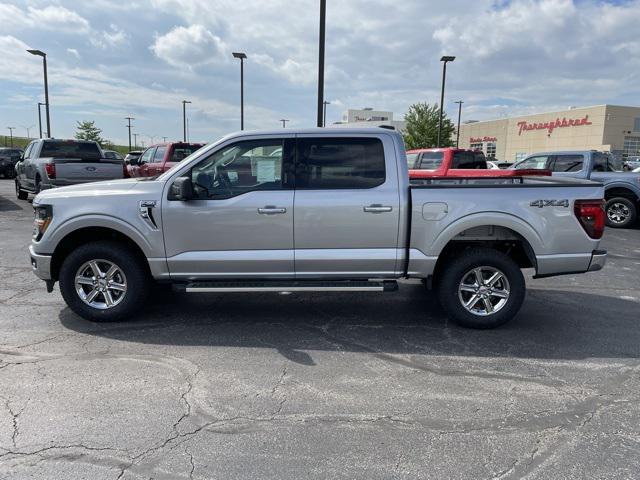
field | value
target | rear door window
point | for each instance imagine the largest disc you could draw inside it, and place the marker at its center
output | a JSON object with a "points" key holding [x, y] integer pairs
{"points": [[568, 163], [340, 163], [431, 160], [464, 160], [181, 152]]}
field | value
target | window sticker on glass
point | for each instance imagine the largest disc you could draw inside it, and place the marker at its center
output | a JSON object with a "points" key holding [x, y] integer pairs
{"points": [[266, 171], [233, 176]]}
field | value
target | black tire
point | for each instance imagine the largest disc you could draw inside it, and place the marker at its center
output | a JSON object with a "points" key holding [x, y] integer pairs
{"points": [[621, 212], [38, 185], [136, 276], [460, 267], [20, 194]]}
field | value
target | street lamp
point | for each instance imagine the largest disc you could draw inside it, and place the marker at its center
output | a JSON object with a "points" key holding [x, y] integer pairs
{"points": [[284, 122], [11, 129], [40, 118], [242, 56], [444, 61], [40, 53], [459, 102], [324, 116], [321, 42], [28, 129], [184, 119], [129, 127]]}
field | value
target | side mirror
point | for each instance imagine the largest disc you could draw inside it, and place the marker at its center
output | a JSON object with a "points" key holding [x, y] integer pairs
{"points": [[181, 189]]}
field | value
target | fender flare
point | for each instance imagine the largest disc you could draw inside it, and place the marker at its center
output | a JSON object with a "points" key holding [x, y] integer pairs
{"points": [[622, 184], [483, 219], [98, 220]]}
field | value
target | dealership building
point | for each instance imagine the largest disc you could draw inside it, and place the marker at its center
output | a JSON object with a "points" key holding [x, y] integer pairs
{"points": [[609, 128]]}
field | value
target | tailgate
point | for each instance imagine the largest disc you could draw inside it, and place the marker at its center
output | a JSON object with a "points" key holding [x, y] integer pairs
{"points": [[71, 170]]}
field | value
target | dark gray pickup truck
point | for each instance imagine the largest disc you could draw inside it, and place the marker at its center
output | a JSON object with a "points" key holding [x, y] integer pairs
{"points": [[50, 163], [621, 189]]}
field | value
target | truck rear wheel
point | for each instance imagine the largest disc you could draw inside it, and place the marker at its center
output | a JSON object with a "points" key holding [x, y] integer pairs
{"points": [[103, 282], [481, 288], [621, 212], [20, 194]]}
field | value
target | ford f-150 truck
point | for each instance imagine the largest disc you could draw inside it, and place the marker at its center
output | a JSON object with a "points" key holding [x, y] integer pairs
{"points": [[456, 162], [621, 189], [50, 163], [159, 158], [313, 210]]}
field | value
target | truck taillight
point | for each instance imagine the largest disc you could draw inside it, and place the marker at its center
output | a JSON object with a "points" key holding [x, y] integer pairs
{"points": [[590, 214], [51, 169]]}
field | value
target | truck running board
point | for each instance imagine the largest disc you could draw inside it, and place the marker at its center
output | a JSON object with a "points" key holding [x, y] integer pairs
{"points": [[289, 286]]}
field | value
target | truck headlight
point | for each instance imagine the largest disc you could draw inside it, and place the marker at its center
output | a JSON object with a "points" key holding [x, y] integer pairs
{"points": [[43, 214]]}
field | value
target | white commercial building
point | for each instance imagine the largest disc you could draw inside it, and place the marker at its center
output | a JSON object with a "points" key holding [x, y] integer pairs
{"points": [[368, 117]]}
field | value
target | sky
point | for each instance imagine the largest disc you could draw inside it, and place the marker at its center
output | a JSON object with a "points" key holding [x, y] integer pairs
{"points": [[111, 59]]}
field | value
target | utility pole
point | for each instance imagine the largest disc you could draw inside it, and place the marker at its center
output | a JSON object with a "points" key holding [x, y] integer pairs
{"points": [[135, 140], [184, 119], [164, 139], [40, 118], [459, 102], [284, 122], [11, 129], [321, 41], [129, 127], [324, 116]]}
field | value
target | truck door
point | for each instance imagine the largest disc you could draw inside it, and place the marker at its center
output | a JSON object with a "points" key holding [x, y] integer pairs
{"points": [[346, 207], [240, 221], [568, 165]]}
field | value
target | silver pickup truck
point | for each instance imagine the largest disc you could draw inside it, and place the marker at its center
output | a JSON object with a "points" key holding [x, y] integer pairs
{"points": [[50, 163], [313, 210]]}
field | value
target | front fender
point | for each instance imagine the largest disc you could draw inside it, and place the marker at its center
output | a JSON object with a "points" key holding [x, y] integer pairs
{"points": [[623, 184]]}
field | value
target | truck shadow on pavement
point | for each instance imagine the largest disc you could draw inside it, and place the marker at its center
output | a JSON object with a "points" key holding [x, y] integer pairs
{"points": [[553, 324]]}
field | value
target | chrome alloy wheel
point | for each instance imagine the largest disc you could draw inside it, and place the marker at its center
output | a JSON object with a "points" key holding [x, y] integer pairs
{"points": [[618, 213], [101, 284], [483, 291]]}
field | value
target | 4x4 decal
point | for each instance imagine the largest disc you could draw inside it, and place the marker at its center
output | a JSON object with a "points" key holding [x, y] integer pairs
{"points": [[550, 203]]}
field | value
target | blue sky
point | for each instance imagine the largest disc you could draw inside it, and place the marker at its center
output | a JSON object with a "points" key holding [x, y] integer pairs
{"points": [[110, 59]]}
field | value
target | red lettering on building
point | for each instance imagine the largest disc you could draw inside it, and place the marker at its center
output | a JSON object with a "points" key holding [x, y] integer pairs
{"points": [[482, 139], [525, 126]]}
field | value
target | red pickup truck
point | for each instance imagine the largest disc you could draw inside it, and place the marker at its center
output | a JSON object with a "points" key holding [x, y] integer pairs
{"points": [[159, 158], [457, 162]]}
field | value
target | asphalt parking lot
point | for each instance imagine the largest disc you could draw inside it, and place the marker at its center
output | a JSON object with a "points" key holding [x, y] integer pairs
{"points": [[363, 386]]}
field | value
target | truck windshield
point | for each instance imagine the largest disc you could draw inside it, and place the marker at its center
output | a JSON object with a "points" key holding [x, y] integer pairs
{"points": [[431, 160], [85, 151]]}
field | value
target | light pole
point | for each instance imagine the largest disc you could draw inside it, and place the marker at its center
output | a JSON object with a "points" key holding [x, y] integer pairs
{"points": [[444, 61], [284, 122], [28, 130], [164, 139], [459, 102], [323, 16], [135, 140], [324, 116], [11, 129], [184, 119], [129, 127], [40, 53], [242, 56], [40, 118]]}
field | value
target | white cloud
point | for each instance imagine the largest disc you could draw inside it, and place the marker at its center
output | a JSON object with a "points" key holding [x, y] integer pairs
{"points": [[115, 37], [73, 52], [52, 17], [188, 46]]}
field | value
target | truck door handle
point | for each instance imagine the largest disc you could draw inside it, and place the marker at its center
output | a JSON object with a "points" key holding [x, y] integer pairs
{"points": [[271, 210], [377, 208]]}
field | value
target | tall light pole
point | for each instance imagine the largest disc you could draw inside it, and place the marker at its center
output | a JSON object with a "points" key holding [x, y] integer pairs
{"points": [[324, 115], [40, 53], [444, 61], [459, 102], [11, 129], [284, 122], [129, 127], [184, 119], [28, 129], [40, 118], [135, 140], [242, 56], [323, 17]]}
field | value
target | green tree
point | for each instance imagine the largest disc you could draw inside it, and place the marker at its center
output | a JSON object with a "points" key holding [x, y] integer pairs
{"points": [[422, 127], [88, 131]]}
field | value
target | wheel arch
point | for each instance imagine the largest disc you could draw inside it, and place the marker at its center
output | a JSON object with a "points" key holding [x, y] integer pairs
{"points": [[621, 190]]}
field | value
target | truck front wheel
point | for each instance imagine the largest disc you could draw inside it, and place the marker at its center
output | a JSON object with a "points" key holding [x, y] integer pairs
{"points": [[103, 281], [481, 288]]}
